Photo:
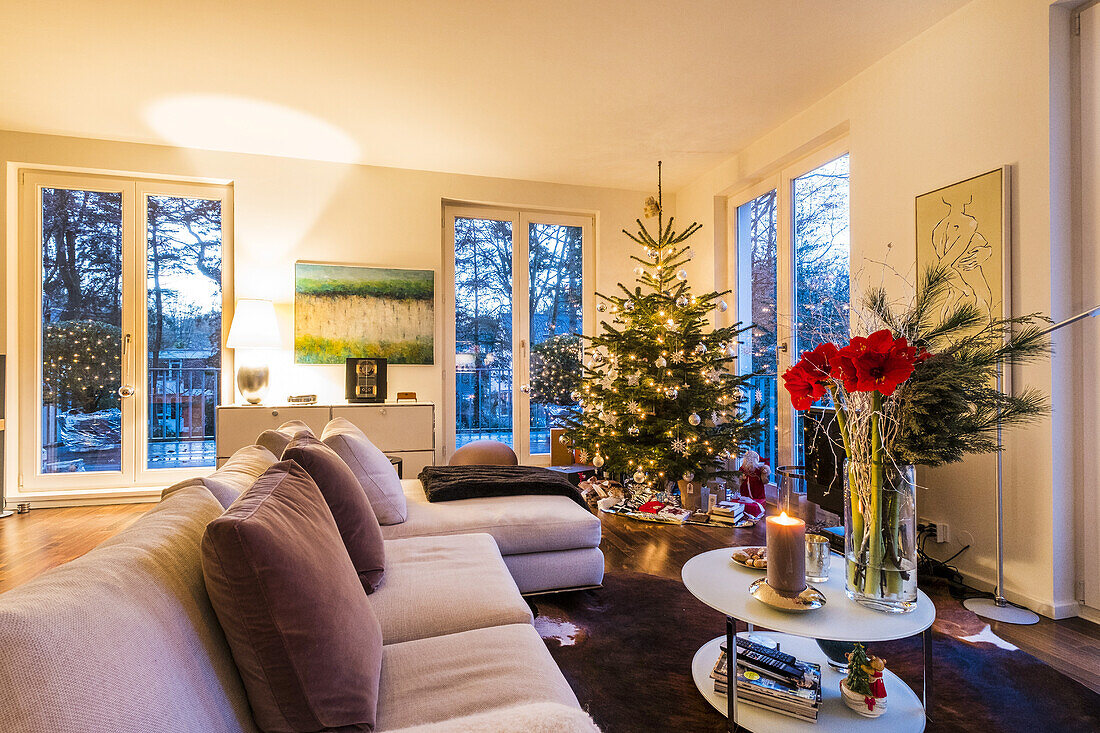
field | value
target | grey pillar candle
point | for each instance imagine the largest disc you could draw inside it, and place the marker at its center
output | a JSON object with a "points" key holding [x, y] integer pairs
{"points": [[786, 554]]}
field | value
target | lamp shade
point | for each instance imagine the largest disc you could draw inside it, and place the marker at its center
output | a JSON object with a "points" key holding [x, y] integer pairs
{"points": [[254, 326]]}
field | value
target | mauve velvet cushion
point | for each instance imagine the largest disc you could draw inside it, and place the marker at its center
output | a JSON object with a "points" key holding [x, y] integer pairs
{"points": [[277, 440], [349, 505], [376, 474], [302, 632]]}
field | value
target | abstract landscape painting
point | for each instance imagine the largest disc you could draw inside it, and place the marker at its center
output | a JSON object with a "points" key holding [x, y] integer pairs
{"points": [[342, 311]]}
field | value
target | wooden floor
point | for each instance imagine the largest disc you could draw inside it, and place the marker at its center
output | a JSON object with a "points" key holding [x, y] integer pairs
{"points": [[34, 542], [1072, 646]]}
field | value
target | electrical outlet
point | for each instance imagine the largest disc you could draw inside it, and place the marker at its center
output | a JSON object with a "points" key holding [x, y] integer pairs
{"points": [[943, 532]]}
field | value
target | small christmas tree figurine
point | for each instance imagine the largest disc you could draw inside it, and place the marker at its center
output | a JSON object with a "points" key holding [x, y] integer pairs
{"points": [[863, 689], [659, 399]]}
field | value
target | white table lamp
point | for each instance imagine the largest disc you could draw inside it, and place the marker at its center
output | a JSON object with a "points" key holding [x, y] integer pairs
{"points": [[254, 328]]}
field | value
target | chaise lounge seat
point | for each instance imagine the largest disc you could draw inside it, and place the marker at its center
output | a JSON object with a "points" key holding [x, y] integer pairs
{"points": [[548, 542]]}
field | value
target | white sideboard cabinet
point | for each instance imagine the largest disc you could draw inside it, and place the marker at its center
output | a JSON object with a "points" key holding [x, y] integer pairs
{"points": [[403, 429]]}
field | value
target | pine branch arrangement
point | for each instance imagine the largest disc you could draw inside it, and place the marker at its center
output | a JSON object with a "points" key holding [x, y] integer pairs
{"points": [[659, 398], [950, 406]]}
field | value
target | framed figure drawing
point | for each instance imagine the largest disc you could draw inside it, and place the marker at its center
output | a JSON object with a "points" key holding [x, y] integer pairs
{"points": [[343, 311], [966, 226]]}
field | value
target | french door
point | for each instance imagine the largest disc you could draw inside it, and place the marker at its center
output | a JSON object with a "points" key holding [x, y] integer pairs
{"points": [[120, 330], [791, 276], [518, 289]]}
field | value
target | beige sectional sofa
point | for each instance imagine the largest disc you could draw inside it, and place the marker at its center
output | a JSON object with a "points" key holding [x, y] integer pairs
{"points": [[549, 543], [124, 639]]}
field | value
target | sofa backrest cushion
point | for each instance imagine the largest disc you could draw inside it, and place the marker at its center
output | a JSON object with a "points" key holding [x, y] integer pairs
{"points": [[374, 471], [276, 440], [124, 638], [302, 631], [348, 503], [236, 474]]}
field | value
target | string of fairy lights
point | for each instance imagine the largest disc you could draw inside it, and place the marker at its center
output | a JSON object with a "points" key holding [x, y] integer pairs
{"points": [[80, 360]]}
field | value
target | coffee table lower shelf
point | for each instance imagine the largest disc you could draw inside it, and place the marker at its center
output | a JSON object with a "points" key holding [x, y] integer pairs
{"points": [[904, 712]]}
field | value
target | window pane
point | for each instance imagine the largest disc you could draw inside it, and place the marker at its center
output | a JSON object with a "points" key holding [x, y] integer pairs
{"points": [[555, 255], [821, 264], [821, 255], [184, 306], [81, 330], [483, 330], [756, 227]]}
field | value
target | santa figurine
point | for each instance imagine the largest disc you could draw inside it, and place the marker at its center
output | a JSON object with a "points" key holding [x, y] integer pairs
{"points": [[878, 687], [754, 474]]}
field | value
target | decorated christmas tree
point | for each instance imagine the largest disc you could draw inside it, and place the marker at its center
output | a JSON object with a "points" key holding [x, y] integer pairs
{"points": [[659, 398]]}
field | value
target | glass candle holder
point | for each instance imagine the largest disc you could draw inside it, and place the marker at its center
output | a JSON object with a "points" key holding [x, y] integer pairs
{"points": [[817, 558]]}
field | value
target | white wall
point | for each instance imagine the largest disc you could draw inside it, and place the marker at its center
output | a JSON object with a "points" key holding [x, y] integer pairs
{"points": [[968, 95], [290, 209]]}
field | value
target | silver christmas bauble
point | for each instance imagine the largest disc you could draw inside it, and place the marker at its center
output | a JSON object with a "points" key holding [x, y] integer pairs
{"points": [[672, 393], [661, 362], [601, 307], [682, 275], [575, 396], [597, 461], [694, 419], [682, 301], [563, 440], [639, 476], [628, 306], [639, 270], [699, 349], [722, 306], [653, 253], [633, 430], [689, 476]]}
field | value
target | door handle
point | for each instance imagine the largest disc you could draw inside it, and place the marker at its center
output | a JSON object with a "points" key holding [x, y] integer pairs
{"points": [[126, 390], [782, 347]]}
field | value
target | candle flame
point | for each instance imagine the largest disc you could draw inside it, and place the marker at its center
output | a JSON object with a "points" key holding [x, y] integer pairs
{"points": [[784, 519]]}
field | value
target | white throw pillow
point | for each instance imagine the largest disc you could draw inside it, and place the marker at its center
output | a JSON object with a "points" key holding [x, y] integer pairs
{"points": [[371, 467]]}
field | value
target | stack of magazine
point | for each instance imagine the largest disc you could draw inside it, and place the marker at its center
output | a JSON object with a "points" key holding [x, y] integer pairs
{"points": [[772, 680]]}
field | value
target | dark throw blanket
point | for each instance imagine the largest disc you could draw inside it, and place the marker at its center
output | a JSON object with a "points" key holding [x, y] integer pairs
{"points": [[448, 483]]}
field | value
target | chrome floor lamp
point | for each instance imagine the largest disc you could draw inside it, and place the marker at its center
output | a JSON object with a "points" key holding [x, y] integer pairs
{"points": [[997, 607]]}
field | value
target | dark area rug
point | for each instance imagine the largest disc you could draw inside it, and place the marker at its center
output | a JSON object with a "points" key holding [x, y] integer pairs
{"points": [[626, 649]]}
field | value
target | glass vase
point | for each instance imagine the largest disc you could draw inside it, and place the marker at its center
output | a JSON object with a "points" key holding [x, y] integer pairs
{"points": [[880, 536]]}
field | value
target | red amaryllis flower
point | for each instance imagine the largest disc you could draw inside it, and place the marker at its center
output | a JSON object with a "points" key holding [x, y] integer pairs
{"points": [[877, 363], [823, 361], [804, 387]]}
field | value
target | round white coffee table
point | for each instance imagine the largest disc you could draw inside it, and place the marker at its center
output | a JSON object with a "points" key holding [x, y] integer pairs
{"points": [[717, 581]]}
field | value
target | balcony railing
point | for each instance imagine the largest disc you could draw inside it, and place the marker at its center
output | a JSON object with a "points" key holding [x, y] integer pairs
{"points": [[182, 403]]}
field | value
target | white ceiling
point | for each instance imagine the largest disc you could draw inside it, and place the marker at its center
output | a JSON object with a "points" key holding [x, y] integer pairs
{"points": [[573, 91]]}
